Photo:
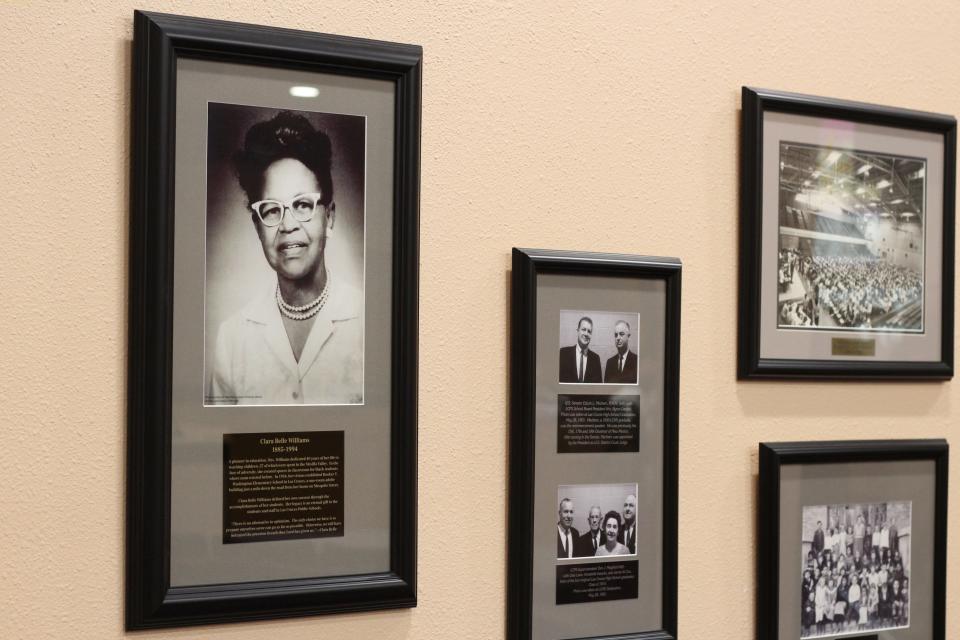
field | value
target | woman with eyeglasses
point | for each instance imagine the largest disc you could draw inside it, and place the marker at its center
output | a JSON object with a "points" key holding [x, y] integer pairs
{"points": [[301, 342]]}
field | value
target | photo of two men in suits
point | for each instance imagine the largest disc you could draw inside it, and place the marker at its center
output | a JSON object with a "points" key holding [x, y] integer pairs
{"points": [[599, 337]]}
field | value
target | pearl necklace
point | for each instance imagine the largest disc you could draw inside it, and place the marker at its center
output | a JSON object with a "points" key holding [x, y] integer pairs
{"points": [[303, 312]]}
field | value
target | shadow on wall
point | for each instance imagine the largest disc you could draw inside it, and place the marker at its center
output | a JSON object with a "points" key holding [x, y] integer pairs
{"points": [[842, 399]]}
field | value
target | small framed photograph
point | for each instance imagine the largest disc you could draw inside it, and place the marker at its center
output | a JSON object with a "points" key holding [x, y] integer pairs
{"points": [[273, 323], [607, 527], [846, 239], [852, 540], [593, 446], [611, 358]]}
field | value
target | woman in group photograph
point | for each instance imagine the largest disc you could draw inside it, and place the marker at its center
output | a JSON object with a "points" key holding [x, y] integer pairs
{"points": [[611, 529]]}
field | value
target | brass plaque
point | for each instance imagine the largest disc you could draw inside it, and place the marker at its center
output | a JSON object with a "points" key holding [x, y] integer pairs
{"points": [[854, 347]]}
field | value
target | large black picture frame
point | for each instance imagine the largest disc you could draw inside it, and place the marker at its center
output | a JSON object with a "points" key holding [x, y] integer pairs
{"points": [[774, 456], [528, 264], [751, 364], [159, 42]]}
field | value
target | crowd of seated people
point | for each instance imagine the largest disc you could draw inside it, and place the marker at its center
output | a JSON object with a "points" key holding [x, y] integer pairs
{"points": [[854, 580], [855, 290], [797, 313]]}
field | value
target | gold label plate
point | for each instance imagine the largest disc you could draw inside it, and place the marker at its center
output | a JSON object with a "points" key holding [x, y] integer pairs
{"points": [[854, 347]]}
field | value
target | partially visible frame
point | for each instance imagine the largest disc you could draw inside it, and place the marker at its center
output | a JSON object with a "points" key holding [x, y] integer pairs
{"points": [[548, 465], [899, 484], [162, 43], [862, 194]]}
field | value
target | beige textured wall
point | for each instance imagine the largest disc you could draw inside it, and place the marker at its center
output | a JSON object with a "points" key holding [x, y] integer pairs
{"points": [[608, 126]]}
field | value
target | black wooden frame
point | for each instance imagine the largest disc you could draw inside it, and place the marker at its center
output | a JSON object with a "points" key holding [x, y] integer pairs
{"points": [[159, 41], [755, 102], [774, 455], [527, 265]]}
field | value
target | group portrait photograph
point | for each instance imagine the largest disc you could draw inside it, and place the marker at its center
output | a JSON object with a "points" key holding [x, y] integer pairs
{"points": [[596, 520], [855, 567]]}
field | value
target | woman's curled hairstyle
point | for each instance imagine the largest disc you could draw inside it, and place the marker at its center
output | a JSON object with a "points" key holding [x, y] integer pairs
{"points": [[286, 135]]}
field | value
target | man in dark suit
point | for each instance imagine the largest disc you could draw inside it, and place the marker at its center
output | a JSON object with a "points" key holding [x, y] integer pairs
{"points": [[894, 537], [818, 538], [628, 532], [621, 368], [578, 363], [587, 543], [566, 533]]}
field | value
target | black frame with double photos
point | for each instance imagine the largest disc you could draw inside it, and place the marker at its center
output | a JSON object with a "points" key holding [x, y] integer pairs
{"points": [[160, 41], [852, 359], [528, 264], [774, 456]]}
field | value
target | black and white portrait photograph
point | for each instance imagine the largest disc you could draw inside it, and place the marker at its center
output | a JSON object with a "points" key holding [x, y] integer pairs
{"points": [[851, 240], [598, 347], [284, 289], [596, 520], [855, 567]]}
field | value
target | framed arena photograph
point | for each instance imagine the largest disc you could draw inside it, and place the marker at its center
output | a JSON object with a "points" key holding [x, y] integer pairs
{"points": [[852, 540], [846, 239], [273, 323], [593, 446]]}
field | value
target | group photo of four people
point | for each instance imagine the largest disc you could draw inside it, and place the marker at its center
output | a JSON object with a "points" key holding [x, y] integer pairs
{"points": [[608, 533]]}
